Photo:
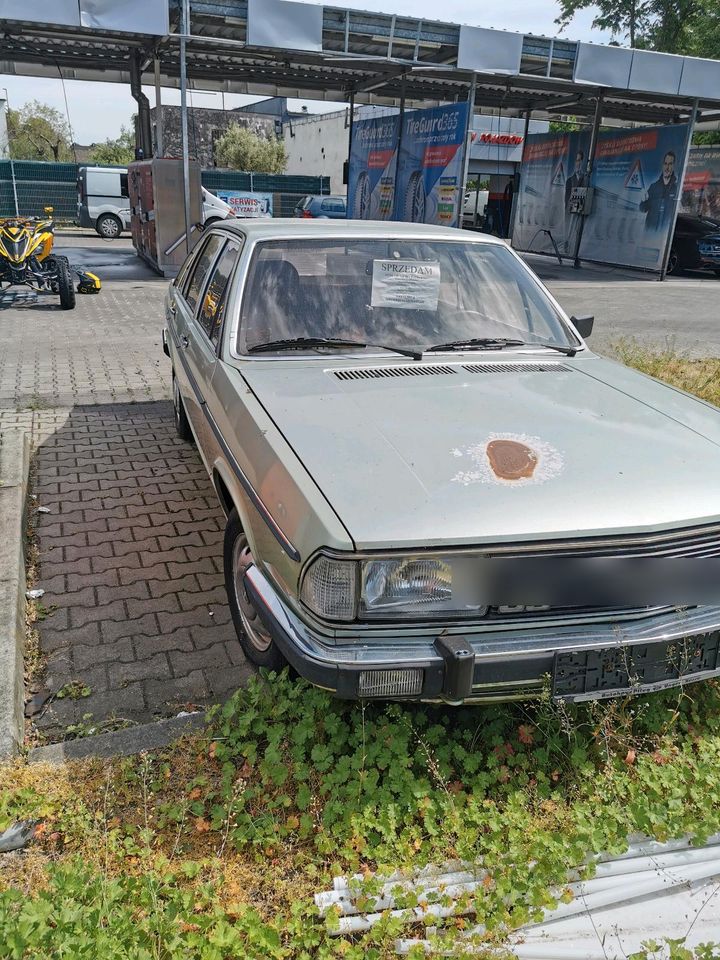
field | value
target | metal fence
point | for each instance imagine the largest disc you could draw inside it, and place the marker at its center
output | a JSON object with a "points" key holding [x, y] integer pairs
{"points": [[39, 184]]}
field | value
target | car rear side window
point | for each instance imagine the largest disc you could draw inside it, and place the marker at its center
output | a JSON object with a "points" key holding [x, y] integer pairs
{"points": [[203, 262], [213, 303]]}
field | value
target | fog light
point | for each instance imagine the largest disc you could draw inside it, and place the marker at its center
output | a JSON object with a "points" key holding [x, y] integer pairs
{"points": [[390, 683]]}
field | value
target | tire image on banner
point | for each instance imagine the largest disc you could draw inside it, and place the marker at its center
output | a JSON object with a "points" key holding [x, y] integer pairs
{"points": [[414, 202], [361, 203]]}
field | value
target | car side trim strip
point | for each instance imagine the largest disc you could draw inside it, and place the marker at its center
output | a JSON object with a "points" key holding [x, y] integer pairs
{"points": [[257, 502]]}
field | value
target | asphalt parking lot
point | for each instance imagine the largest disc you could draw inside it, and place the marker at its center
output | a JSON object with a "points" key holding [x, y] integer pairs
{"points": [[130, 552]]}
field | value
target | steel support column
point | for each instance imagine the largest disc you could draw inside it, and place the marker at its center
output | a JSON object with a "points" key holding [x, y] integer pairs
{"points": [[399, 142], [185, 31], [144, 130], [680, 177], [588, 172], [466, 149], [159, 139]]}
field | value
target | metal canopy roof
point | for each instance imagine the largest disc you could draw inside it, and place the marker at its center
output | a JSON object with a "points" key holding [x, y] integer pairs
{"points": [[371, 54]]}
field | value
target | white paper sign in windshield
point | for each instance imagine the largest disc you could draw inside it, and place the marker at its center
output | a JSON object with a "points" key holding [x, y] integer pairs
{"points": [[405, 284]]}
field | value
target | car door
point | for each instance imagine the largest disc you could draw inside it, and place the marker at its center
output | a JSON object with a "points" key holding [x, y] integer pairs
{"points": [[204, 336], [187, 302]]}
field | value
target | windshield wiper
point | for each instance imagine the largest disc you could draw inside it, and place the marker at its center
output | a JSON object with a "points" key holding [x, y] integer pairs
{"points": [[499, 343], [303, 343], [489, 343]]}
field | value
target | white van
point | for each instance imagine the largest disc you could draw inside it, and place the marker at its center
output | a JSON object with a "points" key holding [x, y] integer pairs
{"points": [[103, 201], [475, 203]]}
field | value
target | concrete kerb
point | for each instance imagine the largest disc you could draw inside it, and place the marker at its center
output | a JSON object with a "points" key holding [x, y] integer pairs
{"points": [[14, 473], [121, 743]]}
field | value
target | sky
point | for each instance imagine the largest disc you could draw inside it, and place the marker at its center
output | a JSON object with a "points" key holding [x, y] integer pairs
{"points": [[97, 110]]}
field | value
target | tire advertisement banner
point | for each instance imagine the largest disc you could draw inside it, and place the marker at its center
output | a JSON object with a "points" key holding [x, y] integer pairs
{"points": [[425, 185], [635, 183], [429, 183], [373, 158], [701, 186]]}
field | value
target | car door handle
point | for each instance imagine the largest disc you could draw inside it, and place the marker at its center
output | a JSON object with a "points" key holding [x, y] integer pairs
{"points": [[184, 342]]}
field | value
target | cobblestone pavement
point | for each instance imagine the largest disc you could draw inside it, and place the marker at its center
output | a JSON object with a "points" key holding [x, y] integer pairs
{"points": [[131, 565], [130, 553]]}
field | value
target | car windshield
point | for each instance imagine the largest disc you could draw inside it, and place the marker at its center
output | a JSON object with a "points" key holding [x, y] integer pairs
{"points": [[412, 294]]}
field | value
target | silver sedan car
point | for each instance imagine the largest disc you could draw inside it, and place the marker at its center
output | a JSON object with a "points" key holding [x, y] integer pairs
{"points": [[434, 490]]}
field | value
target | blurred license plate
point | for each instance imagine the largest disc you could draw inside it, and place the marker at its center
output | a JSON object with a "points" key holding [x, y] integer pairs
{"points": [[614, 671]]}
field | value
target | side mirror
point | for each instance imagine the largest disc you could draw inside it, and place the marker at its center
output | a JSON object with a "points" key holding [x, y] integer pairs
{"points": [[583, 325]]}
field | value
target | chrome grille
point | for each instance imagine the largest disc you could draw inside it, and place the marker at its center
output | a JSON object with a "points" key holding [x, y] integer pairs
{"points": [[690, 542]]}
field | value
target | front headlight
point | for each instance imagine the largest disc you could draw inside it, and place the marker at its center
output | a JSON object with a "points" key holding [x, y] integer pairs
{"points": [[405, 584], [410, 587]]}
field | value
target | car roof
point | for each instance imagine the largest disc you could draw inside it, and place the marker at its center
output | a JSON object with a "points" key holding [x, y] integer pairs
{"points": [[289, 228]]}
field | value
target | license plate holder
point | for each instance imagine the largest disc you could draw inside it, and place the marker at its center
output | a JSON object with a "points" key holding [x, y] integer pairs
{"points": [[627, 670]]}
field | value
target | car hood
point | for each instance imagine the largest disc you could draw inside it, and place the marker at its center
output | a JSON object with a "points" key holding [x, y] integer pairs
{"points": [[501, 450]]}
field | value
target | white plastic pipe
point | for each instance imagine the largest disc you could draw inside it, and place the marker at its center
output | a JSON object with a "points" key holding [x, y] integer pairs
{"points": [[348, 907], [361, 924], [432, 870]]}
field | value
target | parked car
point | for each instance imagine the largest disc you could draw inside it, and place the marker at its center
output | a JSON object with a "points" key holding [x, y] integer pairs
{"points": [[214, 209], [474, 205], [695, 245], [104, 202], [434, 490], [324, 207]]}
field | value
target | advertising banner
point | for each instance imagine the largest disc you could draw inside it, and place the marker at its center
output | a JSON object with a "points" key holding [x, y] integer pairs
{"points": [[429, 180], [701, 186], [246, 204], [631, 204], [371, 177]]}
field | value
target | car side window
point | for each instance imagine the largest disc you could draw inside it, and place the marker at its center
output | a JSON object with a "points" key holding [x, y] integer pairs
{"points": [[334, 206], [212, 310], [203, 263]]}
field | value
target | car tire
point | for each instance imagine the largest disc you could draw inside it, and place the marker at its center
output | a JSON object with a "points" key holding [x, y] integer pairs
{"points": [[108, 226], [182, 424], [255, 640], [65, 283], [210, 221]]}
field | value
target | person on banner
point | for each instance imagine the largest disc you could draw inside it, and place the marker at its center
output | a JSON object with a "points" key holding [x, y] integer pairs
{"points": [[659, 204], [578, 178]]}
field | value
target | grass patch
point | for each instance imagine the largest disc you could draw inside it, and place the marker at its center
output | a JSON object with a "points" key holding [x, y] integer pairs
{"points": [[699, 377], [213, 848]]}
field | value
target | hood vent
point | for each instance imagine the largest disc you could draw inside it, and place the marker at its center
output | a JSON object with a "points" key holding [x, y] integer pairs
{"points": [[386, 373], [515, 367]]}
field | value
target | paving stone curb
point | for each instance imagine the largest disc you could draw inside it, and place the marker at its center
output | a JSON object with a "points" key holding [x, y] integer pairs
{"points": [[14, 472], [120, 743]]}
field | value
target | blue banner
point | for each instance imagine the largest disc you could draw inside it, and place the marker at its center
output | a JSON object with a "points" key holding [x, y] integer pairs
{"points": [[429, 182], [371, 178]]}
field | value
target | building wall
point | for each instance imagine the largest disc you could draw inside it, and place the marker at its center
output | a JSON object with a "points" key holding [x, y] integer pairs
{"points": [[204, 128], [318, 144]]}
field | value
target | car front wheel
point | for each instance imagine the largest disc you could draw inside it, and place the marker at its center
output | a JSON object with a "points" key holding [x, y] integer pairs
{"points": [[673, 266], [255, 639], [109, 226]]}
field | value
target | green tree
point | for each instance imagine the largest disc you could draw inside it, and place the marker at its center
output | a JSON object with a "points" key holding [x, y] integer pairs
{"points": [[39, 132], [241, 149], [671, 26], [119, 151]]}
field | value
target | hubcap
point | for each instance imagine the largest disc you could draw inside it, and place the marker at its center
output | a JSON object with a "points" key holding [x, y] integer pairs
{"points": [[109, 228], [254, 628]]}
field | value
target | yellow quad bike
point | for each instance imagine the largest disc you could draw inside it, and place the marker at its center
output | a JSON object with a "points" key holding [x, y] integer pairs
{"points": [[26, 258]]}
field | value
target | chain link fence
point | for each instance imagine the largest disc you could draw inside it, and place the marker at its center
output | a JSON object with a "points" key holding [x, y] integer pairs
{"points": [[38, 185]]}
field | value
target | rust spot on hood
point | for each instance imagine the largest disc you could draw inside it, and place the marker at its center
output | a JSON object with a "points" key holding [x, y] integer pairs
{"points": [[511, 460]]}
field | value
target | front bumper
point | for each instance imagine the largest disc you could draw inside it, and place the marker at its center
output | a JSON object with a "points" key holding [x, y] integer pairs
{"points": [[460, 667]]}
